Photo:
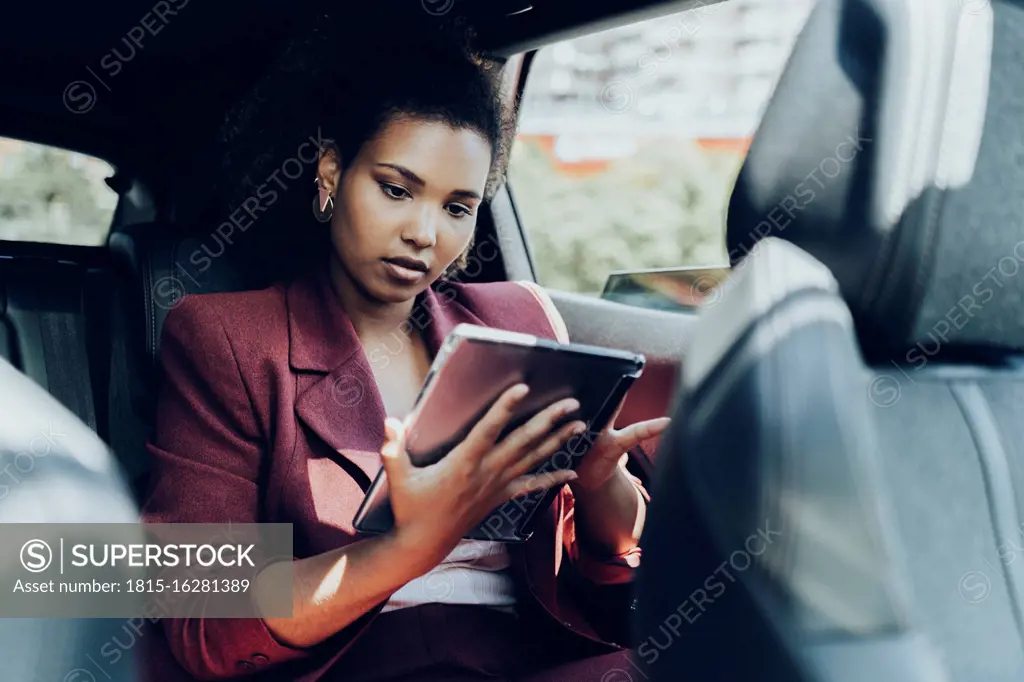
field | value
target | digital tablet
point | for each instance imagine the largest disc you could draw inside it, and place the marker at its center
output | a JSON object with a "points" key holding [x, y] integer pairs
{"points": [[474, 366]]}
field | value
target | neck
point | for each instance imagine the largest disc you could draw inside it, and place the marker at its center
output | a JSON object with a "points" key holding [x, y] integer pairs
{"points": [[370, 318]]}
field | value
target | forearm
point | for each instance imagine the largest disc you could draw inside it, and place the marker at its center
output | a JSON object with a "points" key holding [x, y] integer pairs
{"points": [[333, 590], [610, 518]]}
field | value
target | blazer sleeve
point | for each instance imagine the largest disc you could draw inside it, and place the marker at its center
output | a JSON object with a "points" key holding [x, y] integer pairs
{"points": [[206, 456], [600, 569]]}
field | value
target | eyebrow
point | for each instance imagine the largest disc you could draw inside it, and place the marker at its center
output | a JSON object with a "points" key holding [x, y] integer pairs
{"points": [[412, 177]]}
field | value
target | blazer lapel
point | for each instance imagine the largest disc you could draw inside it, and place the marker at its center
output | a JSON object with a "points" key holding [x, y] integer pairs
{"points": [[337, 396], [344, 409]]}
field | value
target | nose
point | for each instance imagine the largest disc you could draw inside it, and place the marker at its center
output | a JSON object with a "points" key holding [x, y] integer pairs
{"points": [[421, 231]]}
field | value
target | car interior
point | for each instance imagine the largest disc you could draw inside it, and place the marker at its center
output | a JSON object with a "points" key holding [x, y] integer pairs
{"points": [[799, 402]]}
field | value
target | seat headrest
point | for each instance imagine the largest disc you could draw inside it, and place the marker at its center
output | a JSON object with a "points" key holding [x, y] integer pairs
{"points": [[893, 151]]}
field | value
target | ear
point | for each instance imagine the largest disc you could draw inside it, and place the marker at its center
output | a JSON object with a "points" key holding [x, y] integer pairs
{"points": [[328, 169]]}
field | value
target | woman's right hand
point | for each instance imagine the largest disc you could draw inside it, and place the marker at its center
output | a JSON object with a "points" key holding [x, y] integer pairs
{"points": [[436, 505]]}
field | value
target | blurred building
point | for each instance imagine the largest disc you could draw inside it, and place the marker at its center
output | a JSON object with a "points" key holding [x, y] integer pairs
{"points": [[705, 75]]}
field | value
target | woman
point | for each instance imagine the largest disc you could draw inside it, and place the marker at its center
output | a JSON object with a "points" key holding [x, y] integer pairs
{"points": [[281, 405]]}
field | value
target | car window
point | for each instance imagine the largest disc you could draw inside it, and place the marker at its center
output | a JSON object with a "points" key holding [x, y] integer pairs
{"points": [[630, 140], [53, 195]]}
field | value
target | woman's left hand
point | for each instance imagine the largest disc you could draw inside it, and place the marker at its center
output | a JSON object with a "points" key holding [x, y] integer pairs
{"points": [[602, 461]]}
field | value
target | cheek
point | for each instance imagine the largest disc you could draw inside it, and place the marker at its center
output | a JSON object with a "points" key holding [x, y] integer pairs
{"points": [[363, 221], [455, 237]]}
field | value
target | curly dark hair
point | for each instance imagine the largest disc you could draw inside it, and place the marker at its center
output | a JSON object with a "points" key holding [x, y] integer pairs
{"points": [[343, 87]]}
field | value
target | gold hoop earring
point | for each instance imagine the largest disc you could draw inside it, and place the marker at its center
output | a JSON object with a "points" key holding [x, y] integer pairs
{"points": [[323, 204]]}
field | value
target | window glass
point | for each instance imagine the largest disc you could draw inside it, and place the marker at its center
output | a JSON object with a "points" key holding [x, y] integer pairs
{"points": [[630, 140], [53, 195]]}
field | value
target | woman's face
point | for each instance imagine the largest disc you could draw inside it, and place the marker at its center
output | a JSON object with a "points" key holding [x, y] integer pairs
{"points": [[406, 207]]}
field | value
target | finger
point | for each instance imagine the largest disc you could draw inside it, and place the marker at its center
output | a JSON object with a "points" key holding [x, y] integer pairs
{"points": [[485, 432], [633, 435], [393, 456], [547, 449], [525, 485], [527, 436]]}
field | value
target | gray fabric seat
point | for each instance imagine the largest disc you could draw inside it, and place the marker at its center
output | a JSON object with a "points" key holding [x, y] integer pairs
{"points": [[841, 495], [56, 470]]}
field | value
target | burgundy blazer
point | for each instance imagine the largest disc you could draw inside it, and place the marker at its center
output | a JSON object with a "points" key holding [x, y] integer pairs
{"points": [[269, 412]]}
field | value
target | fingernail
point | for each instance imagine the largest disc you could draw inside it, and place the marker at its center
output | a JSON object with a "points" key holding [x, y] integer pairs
{"points": [[579, 428], [520, 391], [572, 405]]}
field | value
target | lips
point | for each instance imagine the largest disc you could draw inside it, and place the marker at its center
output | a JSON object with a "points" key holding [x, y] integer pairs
{"points": [[405, 270], [409, 263]]}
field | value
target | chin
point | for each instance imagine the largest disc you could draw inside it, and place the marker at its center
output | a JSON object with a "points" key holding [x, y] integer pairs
{"points": [[376, 285], [386, 290]]}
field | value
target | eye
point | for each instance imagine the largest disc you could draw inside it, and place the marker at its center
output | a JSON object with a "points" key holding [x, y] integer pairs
{"points": [[396, 192], [459, 210]]}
